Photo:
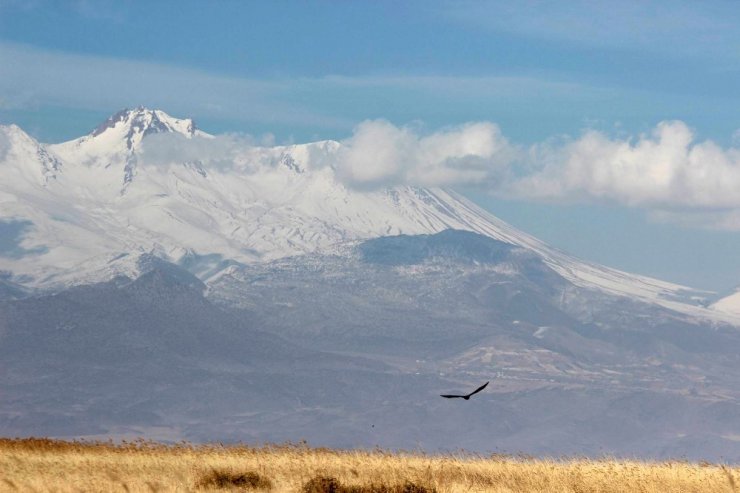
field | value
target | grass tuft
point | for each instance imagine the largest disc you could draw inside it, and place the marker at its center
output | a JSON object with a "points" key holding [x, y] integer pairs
{"points": [[10, 484], [224, 478], [323, 484], [327, 484]]}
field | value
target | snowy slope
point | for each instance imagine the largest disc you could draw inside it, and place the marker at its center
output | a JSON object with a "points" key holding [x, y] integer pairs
{"points": [[96, 203], [729, 304]]}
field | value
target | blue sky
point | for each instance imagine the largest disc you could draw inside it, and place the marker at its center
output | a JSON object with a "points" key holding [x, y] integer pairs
{"points": [[543, 72]]}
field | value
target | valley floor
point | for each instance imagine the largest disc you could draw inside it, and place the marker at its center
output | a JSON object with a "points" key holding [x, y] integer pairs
{"points": [[49, 465]]}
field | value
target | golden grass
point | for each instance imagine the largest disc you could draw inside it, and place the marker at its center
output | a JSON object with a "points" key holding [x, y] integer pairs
{"points": [[48, 465]]}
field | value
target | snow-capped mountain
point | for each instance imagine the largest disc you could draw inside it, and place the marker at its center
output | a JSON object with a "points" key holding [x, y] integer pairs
{"points": [[116, 143], [145, 182], [159, 281]]}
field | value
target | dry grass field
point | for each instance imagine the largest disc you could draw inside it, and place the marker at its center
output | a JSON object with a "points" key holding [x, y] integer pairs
{"points": [[48, 465]]}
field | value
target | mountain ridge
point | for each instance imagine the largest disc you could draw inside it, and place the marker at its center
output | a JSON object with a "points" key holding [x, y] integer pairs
{"points": [[108, 201]]}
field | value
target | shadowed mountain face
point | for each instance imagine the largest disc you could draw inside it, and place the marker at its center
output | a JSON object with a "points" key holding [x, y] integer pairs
{"points": [[150, 352], [353, 349], [463, 247]]}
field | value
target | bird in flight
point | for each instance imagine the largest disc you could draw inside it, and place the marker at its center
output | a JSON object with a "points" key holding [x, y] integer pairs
{"points": [[466, 397]]}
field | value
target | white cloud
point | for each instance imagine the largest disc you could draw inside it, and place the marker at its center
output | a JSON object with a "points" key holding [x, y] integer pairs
{"points": [[378, 154], [664, 169], [667, 171], [382, 154], [220, 152]]}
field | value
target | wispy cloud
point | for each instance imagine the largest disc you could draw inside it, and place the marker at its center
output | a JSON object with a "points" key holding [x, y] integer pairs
{"points": [[219, 152], [106, 10], [673, 28], [33, 78], [715, 219], [36, 78]]}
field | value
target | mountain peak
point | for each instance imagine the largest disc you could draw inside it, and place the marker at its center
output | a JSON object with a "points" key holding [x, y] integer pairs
{"points": [[15, 132], [141, 121], [16, 146], [115, 143]]}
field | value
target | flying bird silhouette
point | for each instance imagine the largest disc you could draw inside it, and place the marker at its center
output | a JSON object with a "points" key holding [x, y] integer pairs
{"points": [[466, 397]]}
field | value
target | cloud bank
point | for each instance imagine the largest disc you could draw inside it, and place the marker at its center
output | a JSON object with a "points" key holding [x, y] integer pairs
{"points": [[666, 168], [668, 171]]}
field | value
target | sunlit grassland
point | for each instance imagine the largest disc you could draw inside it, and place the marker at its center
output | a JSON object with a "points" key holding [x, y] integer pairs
{"points": [[47, 465]]}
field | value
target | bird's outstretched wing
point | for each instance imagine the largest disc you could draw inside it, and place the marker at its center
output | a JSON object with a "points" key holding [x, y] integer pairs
{"points": [[466, 397], [478, 389]]}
